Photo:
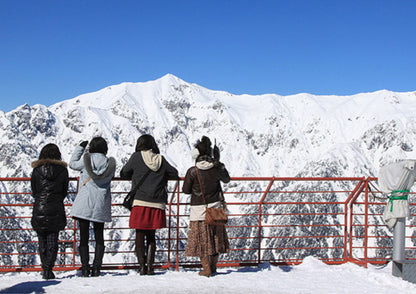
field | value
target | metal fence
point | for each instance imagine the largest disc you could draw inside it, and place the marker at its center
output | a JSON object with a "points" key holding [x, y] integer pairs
{"points": [[274, 220]]}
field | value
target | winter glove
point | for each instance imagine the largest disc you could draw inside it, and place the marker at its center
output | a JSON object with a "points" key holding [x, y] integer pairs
{"points": [[216, 153], [83, 144]]}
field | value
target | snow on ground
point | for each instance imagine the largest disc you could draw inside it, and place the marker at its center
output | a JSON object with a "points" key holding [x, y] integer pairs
{"points": [[312, 276]]}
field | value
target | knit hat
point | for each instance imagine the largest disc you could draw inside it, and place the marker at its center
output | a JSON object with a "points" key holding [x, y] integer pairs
{"points": [[194, 153]]}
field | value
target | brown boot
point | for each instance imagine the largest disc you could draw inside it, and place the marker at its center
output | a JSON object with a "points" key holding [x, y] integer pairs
{"points": [[141, 251], [141, 258], [213, 263], [206, 268], [151, 258]]}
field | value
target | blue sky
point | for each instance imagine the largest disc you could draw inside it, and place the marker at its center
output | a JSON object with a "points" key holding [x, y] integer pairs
{"points": [[55, 50]]}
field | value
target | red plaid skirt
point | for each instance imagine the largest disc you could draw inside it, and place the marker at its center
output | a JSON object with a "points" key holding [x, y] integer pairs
{"points": [[147, 218]]}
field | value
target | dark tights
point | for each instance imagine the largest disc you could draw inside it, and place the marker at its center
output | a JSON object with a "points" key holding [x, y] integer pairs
{"points": [[48, 248], [149, 235], [84, 231]]}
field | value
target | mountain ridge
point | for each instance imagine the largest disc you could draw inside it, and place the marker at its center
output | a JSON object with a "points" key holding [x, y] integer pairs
{"points": [[258, 134]]}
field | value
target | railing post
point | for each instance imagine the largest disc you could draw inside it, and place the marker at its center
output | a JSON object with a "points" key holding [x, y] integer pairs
{"points": [[346, 212], [350, 203], [366, 225], [74, 245], [175, 191], [170, 227], [177, 229], [260, 227]]}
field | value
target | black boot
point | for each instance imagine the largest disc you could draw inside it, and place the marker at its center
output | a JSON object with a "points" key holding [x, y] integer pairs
{"points": [[43, 258], [51, 253], [84, 253], [151, 249], [48, 274], [98, 260]]}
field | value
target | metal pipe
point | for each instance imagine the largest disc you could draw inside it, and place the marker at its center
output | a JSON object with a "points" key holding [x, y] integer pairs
{"points": [[399, 239]]}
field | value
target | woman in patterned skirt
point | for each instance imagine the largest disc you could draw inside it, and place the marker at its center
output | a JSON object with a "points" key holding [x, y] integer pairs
{"points": [[150, 168], [205, 241]]}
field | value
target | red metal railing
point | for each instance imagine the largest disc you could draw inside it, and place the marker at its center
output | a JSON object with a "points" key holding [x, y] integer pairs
{"points": [[275, 220]]}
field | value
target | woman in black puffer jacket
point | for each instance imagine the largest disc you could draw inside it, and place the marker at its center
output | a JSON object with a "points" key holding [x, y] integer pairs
{"points": [[49, 184]]}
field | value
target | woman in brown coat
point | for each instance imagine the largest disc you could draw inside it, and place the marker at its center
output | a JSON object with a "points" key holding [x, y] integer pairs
{"points": [[205, 241]]}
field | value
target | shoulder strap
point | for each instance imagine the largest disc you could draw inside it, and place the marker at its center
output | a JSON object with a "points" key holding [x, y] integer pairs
{"points": [[141, 181], [85, 182], [200, 185]]}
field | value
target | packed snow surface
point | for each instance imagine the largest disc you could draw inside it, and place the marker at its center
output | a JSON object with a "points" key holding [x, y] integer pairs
{"points": [[312, 276]]}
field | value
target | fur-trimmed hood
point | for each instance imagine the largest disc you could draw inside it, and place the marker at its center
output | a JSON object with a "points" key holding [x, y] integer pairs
{"points": [[41, 162], [101, 172]]}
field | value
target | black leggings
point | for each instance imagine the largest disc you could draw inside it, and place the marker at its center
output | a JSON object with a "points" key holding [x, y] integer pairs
{"points": [[84, 231], [48, 248], [149, 235]]}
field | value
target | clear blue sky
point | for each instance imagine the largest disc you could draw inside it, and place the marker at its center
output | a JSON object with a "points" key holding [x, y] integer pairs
{"points": [[55, 50]]}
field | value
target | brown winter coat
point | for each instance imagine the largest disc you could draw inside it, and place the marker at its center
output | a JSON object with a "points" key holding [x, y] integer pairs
{"points": [[210, 181]]}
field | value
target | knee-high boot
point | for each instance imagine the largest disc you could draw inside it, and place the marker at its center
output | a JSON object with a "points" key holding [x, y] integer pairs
{"points": [[206, 267], [213, 263], [43, 258], [51, 253], [98, 260], [141, 251], [151, 249], [84, 253], [141, 258]]}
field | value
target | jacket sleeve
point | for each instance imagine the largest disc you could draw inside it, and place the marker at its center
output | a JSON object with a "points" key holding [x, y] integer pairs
{"points": [[127, 170], [188, 182], [65, 184], [223, 173], [33, 183], [76, 162], [171, 172]]}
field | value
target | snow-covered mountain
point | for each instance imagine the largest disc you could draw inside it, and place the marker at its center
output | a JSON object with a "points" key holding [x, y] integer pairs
{"points": [[265, 135]]}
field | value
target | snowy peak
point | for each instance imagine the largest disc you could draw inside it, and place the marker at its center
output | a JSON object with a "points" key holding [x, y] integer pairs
{"points": [[260, 135]]}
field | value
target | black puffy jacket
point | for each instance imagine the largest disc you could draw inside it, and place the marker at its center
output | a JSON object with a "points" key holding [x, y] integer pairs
{"points": [[49, 184]]}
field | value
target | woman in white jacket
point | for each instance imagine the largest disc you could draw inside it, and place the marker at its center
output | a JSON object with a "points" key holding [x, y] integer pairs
{"points": [[93, 201]]}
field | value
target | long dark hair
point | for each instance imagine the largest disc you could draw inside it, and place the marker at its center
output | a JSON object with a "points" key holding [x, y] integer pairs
{"points": [[50, 151], [98, 145], [146, 142]]}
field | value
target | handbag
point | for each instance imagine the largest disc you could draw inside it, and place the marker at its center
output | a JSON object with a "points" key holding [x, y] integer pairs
{"points": [[128, 200], [213, 216]]}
